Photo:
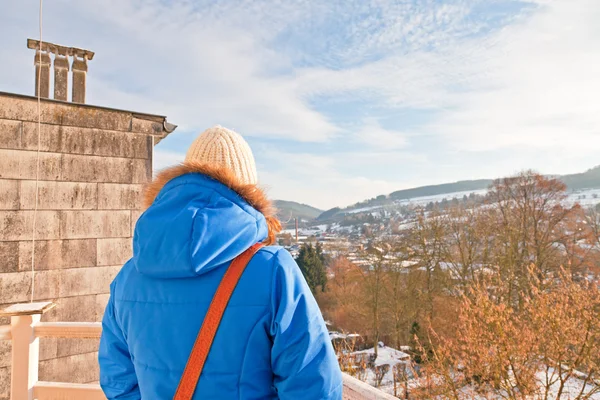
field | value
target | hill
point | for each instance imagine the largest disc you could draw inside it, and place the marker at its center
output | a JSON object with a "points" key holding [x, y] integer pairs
{"points": [[328, 214], [587, 180], [434, 190], [291, 209]]}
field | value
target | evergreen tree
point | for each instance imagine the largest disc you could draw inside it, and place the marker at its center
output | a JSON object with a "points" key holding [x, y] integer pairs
{"points": [[311, 261]]}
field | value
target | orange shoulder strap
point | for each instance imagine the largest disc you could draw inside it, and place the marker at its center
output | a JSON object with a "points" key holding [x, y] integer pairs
{"points": [[213, 317]]}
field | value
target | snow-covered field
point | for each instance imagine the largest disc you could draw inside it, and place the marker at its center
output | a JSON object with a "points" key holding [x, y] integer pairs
{"points": [[391, 357], [424, 200], [585, 197], [386, 355]]}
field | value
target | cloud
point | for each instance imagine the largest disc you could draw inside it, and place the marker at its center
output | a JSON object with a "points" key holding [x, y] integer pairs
{"points": [[537, 88], [531, 84], [503, 84], [193, 61], [164, 158], [327, 188], [318, 180], [372, 135]]}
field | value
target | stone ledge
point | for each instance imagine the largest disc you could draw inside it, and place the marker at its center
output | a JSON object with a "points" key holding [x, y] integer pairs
{"points": [[24, 108]]}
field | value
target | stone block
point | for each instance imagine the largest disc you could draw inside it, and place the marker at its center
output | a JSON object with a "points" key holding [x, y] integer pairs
{"points": [[86, 281], [94, 117], [104, 143], [48, 348], [114, 251], [70, 347], [9, 257], [21, 164], [51, 315], [80, 368], [147, 124], [85, 141], [80, 168], [101, 302], [59, 195], [18, 108], [94, 224], [141, 171], [113, 196], [67, 114], [50, 137], [9, 194], [47, 285], [135, 215], [10, 134], [57, 254], [4, 383], [18, 225], [5, 353], [77, 309], [15, 287]]}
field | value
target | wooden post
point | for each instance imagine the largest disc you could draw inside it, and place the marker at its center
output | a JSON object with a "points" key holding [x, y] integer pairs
{"points": [[25, 347]]}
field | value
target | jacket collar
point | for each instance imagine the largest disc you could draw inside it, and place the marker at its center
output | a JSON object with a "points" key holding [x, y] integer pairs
{"points": [[252, 194]]}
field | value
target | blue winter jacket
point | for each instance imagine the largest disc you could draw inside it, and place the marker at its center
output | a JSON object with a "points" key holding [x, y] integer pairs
{"points": [[272, 342]]}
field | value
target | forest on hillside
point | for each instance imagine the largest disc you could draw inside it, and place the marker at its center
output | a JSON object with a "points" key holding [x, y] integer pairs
{"points": [[498, 299]]}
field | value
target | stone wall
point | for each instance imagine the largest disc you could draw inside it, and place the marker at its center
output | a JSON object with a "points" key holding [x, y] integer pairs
{"points": [[93, 164]]}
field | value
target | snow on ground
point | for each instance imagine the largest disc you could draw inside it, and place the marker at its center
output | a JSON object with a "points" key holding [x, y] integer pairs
{"points": [[571, 390], [391, 356], [424, 200], [586, 197], [363, 209], [386, 355]]}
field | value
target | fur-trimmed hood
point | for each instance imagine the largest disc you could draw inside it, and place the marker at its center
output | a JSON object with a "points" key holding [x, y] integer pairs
{"points": [[198, 217]]}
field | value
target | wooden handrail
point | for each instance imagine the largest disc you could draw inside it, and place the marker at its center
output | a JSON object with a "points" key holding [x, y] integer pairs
{"points": [[67, 391], [355, 389], [25, 385], [78, 330]]}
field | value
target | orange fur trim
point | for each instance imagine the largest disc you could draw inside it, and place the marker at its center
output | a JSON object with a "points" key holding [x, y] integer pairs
{"points": [[251, 193]]}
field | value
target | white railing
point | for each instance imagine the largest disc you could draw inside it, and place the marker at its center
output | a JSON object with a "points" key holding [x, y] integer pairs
{"points": [[25, 330], [355, 389]]}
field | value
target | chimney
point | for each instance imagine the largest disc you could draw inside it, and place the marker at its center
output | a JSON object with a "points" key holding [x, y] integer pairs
{"points": [[79, 75], [61, 70], [42, 74], [61, 76]]}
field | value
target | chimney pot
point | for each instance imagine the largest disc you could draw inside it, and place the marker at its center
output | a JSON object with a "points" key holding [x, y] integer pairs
{"points": [[42, 74], [61, 77], [79, 75]]}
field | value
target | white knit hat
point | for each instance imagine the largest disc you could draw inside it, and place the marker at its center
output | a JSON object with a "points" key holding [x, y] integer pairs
{"points": [[223, 147]]}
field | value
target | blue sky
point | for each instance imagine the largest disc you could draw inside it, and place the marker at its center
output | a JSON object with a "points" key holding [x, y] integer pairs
{"points": [[342, 100]]}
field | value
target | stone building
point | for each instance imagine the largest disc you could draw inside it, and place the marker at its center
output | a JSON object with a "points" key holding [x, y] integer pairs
{"points": [[93, 163]]}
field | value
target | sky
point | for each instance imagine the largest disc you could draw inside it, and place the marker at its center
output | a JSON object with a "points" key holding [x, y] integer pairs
{"points": [[342, 100]]}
